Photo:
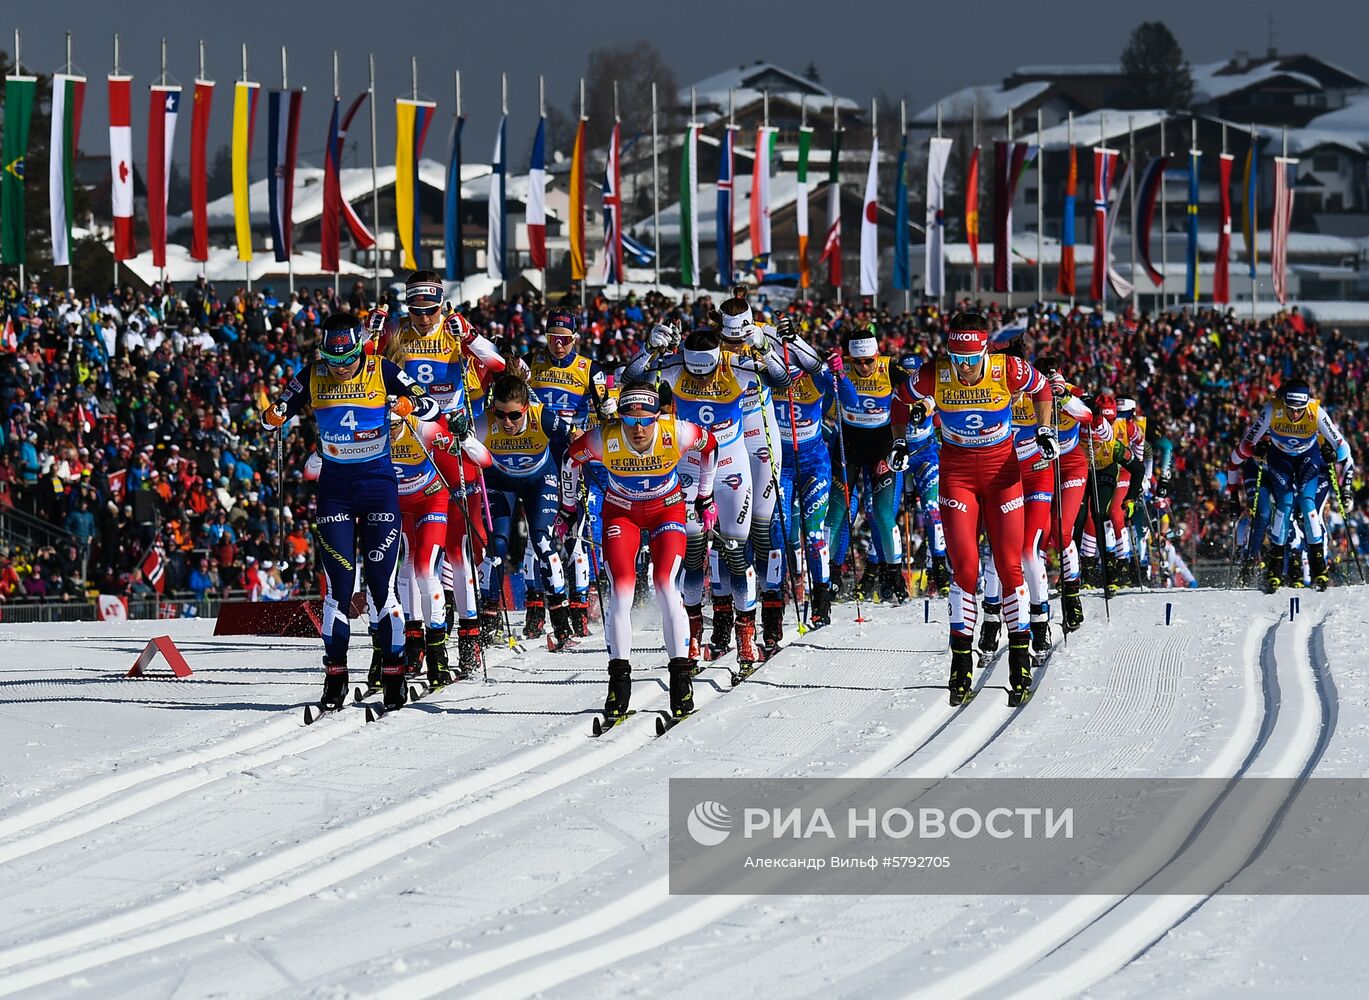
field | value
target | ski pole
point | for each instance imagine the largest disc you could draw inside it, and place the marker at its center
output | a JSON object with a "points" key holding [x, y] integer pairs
{"points": [[846, 491], [1100, 533], [1058, 503], [1340, 503], [784, 522], [802, 554]]}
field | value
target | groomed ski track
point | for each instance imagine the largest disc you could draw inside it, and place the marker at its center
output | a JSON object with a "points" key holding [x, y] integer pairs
{"points": [[190, 838]]}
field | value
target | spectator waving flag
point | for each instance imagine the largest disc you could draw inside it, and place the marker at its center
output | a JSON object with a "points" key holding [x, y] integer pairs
{"points": [[68, 94], [537, 198], [613, 213], [282, 143], [163, 109], [199, 170]]}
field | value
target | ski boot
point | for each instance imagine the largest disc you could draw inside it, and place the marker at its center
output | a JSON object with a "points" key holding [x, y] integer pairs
{"points": [[820, 606], [1273, 568], [536, 616], [1074, 607], [393, 674], [1316, 558], [1040, 631], [772, 621], [868, 587], [681, 686], [578, 610], [619, 689], [468, 651], [746, 637], [941, 575], [1114, 575], [438, 674], [962, 669], [413, 647], [988, 631], [491, 620], [377, 658], [695, 613], [892, 587], [1019, 668], [334, 684], [559, 614], [719, 642]]}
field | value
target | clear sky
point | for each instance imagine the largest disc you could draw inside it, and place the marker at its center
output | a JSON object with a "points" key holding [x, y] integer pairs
{"points": [[903, 48]]}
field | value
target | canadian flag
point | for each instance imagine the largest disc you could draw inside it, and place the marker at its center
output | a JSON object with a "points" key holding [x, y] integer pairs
{"points": [[121, 164]]}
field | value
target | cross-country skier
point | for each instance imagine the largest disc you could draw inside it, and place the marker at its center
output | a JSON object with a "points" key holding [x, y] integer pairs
{"points": [[1070, 413], [1295, 424], [358, 499], [924, 483], [973, 391], [642, 452]]}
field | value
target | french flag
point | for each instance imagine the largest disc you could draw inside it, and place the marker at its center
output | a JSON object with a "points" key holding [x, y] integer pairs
{"points": [[537, 199]]}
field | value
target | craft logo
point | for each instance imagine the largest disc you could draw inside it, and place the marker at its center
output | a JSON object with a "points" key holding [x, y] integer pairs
{"points": [[709, 823]]}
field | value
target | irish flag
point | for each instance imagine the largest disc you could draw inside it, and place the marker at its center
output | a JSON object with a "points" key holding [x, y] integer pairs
{"points": [[68, 94]]}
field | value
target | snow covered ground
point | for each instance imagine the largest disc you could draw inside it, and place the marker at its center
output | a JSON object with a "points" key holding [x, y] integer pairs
{"points": [[191, 838]]}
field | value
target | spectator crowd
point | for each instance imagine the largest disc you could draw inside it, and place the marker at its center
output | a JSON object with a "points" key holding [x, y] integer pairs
{"points": [[129, 419]]}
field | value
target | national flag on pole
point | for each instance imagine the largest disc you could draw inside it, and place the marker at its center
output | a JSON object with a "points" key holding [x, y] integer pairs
{"points": [[68, 94], [163, 109], [869, 226], [495, 218], [1250, 214], [801, 204], [1279, 225], [760, 197], [9, 337], [412, 119], [972, 208], [1009, 160], [938, 154], [199, 170], [689, 207], [244, 121], [451, 207], [724, 224], [1191, 285], [831, 247], [282, 145], [19, 91], [1103, 163], [577, 205], [902, 241], [1119, 284], [1148, 194], [334, 206], [154, 568], [121, 165], [537, 198], [613, 212], [1221, 285], [1065, 282]]}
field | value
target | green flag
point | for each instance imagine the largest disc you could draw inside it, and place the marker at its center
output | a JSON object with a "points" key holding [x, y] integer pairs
{"points": [[19, 92]]}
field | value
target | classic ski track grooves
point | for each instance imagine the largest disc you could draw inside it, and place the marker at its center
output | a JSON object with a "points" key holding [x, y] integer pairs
{"points": [[1295, 754], [988, 723]]}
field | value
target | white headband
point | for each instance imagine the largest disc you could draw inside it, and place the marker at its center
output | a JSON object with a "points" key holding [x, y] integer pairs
{"points": [[700, 362], [863, 347], [733, 324]]}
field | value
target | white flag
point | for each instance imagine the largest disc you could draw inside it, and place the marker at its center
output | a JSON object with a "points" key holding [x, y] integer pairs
{"points": [[494, 238], [935, 268], [869, 227]]}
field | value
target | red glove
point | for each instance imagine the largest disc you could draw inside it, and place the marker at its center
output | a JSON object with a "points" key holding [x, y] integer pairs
{"points": [[460, 328], [375, 320], [836, 364]]}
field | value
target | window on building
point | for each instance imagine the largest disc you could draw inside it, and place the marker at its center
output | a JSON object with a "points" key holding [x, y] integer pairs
{"points": [[1326, 163]]}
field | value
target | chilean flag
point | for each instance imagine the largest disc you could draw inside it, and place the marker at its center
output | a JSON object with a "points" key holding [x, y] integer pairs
{"points": [[161, 133], [121, 164], [613, 214], [537, 198]]}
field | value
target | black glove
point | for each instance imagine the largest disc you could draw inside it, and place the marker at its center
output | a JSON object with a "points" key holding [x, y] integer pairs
{"points": [[786, 329], [1235, 503], [898, 457], [1162, 488], [1046, 441], [459, 424], [918, 412]]}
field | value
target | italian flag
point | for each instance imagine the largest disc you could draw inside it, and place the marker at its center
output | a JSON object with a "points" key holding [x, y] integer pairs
{"points": [[801, 205], [68, 94], [689, 207]]}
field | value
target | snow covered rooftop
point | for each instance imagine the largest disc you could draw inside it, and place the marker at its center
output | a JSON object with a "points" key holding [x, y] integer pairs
{"points": [[1107, 125], [1082, 69], [1210, 83], [1352, 121], [223, 265], [747, 84], [993, 103]]}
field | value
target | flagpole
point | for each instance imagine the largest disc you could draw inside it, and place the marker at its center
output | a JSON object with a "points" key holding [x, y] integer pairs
{"points": [[1008, 248], [974, 142], [1131, 192], [1069, 138], [71, 280], [541, 115], [903, 134], [161, 271], [504, 157], [285, 86], [655, 188], [247, 264], [695, 268], [1100, 253], [203, 263], [1193, 166], [114, 255], [834, 168], [803, 192], [18, 72], [337, 93], [1040, 211], [585, 280], [1254, 227], [618, 238], [1164, 224], [461, 285], [375, 189]]}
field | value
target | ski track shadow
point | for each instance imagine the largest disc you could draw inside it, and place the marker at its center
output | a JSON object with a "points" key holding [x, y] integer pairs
{"points": [[234, 706], [799, 686]]}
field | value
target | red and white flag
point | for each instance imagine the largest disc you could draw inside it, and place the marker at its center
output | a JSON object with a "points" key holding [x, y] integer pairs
{"points": [[121, 164], [161, 133], [154, 568], [1221, 277], [760, 195], [869, 227], [1279, 225], [537, 199]]}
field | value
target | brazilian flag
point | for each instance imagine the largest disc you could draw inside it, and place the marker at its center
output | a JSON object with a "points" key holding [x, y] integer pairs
{"points": [[19, 91]]}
